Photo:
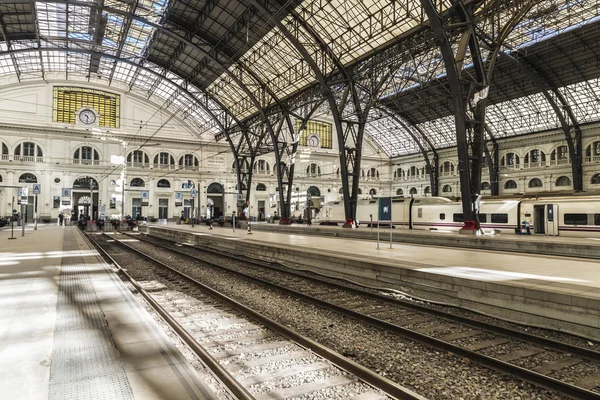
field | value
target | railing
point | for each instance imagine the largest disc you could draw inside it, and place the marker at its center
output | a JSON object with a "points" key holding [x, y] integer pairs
{"points": [[85, 162], [313, 175], [509, 167], [446, 173], [535, 164], [137, 165], [5, 157], [8, 157], [372, 178], [563, 161], [164, 166], [262, 172], [592, 159]]}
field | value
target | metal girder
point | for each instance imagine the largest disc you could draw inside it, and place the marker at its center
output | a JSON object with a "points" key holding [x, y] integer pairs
{"points": [[37, 38], [466, 160], [432, 164], [574, 144], [222, 124], [9, 46], [326, 92], [124, 31]]}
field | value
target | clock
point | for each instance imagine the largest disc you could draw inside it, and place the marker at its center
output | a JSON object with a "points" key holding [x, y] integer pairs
{"points": [[313, 141], [87, 117]]}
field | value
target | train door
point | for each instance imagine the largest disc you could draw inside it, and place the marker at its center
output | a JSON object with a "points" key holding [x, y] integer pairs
{"points": [[539, 221], [551, 219]]}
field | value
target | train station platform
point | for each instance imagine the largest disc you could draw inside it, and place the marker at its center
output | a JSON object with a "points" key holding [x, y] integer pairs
{"points": [[555, 292], [70, 329]]}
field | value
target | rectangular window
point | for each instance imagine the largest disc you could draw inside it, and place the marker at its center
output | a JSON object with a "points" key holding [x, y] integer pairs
{"points": [[112, 203], [576, 219], [55, 201], [68, 100], [442, 216], [458, 218], [499, 218], [596, 219], [420, 212], [29, 149], [483, 218]]}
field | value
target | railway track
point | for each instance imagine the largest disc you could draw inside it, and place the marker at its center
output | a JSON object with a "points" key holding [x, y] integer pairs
{"points": [[562, 367], [257, 357]]}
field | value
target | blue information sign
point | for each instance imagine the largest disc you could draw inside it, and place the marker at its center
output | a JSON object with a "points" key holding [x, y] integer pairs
{"points": [[385, 209]]}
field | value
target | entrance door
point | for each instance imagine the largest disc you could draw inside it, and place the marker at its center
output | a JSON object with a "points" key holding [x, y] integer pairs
{"points": [[261, 210], [551, 219], [187, 208], [539, 220], [163, 208], [136, 208]]}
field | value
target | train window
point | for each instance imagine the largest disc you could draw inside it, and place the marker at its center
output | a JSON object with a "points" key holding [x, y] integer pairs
{"points": [[499, 218], [420, 212], [576, 219], [442, 216], [458, 218], [596, 219], [483, 218]]}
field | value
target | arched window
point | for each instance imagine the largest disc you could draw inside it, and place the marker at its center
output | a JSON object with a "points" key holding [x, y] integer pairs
{"points": [[188, 184], [510, 184], [447, 168], [137, 182], [534, 158], [413, 191], [163, 183], [337, 173], [28, 178], [373, 192], [164, 160], [214, 188], [84, 183], [559, 155], [359, 191], [563, 181], [536, 183], [399, 192], [412, 173], [138, 158], [373, 174], [86, 155], [245, 166], [341, 191], [4, 149], [399, 174], [28, 151], [427, 190], [486, 186], [244, 187], [592, 152], [313, 171], [188, 161], [595, 179], [447, 189], [314, 191], [510, 160], [261, 188], [262, 167]]}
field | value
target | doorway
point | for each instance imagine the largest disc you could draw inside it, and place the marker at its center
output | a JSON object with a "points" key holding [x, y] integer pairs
{"points": [[539, 221], [136, 207], [187, 208], [163, 208], [261, 210]]}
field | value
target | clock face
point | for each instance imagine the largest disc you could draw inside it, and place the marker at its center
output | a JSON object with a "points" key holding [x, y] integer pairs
{"points": [[313, 141], [87, 117]]}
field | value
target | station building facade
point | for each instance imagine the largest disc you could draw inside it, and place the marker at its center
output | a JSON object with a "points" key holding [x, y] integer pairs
{"points": [[108, 146]]}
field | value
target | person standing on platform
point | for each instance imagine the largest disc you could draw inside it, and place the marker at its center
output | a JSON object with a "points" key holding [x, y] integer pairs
{"points": [[61, 218]]}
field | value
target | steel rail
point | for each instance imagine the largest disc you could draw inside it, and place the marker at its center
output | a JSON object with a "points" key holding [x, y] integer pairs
{"points": [[388, 386], [537, 379], [519, 335], [229, 381]]}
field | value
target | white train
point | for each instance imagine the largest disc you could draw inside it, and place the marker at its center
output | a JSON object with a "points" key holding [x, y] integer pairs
{"points": [[564, 216]]}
